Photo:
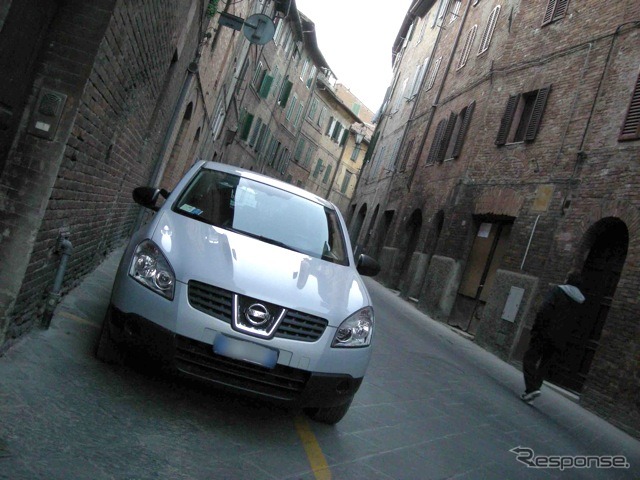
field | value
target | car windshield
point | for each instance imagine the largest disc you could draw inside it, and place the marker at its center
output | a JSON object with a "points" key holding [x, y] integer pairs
{"points": [[264, 212]]}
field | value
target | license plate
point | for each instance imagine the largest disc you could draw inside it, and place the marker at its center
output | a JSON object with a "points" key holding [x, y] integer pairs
{"points": [[246, 351]]}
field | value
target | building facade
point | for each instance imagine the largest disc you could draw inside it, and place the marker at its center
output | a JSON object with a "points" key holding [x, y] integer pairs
{"points": [[517, 163], [100, 97]]}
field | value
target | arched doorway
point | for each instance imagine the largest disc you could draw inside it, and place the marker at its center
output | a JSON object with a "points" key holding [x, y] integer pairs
{"points": [[607, 242]]}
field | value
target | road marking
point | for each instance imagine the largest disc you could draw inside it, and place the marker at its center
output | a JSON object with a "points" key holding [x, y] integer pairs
{"points": [[76, 318], [312, 447]]}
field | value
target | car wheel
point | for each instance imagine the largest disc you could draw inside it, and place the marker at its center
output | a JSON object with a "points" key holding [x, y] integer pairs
{"points": [[107, 349], [329, 415]]}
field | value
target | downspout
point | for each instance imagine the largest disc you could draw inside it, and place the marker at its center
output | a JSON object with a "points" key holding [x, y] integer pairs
{"points": [[440, 89], [65, 248]]}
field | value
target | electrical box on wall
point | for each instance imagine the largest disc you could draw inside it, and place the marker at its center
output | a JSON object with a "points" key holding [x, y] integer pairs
{"points": [[47, 113]]}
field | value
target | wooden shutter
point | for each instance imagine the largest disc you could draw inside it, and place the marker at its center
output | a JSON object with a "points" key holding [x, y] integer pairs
{"points": [[444, 143], [437, 140], [507, 118], [631, 127], [471, 35], [548, 14], [536, 114], [246, 127], [457, 148], [556, 9], [284, 94], [488, 32], [267, 81]]}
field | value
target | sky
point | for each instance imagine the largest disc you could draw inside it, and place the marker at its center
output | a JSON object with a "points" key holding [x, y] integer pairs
{"points": [[355, 38]]}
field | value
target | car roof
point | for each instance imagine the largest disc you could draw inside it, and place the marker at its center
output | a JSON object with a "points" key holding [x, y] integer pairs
{"points": [[258, 177]]}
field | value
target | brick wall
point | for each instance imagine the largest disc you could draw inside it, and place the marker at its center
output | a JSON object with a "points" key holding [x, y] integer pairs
{"points": [[124, 80]]}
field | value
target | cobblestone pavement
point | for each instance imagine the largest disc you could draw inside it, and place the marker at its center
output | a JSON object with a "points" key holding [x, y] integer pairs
{"points": [[433, 405]]}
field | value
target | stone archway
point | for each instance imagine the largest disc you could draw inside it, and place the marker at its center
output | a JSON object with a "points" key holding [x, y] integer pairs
{"points": [[606, 244]]}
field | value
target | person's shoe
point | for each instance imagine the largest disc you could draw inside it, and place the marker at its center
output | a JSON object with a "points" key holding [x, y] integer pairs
{"points": [[530, 397]]}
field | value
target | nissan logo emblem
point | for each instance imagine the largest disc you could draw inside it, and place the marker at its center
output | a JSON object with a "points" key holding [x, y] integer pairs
{"points": [[257, 314]]}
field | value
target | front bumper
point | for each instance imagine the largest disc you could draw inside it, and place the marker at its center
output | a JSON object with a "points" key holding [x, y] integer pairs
{"points": [[196, 359]]}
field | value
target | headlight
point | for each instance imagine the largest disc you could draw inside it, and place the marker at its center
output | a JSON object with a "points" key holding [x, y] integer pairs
{"points": [[150, 267], [356, 330]]}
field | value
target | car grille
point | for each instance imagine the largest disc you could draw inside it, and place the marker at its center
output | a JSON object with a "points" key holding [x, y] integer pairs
{"points": [[217, 302], [197, 359]]}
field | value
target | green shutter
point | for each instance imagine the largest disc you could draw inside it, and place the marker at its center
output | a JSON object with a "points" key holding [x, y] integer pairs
{"points": [[284, 94], [267, 81], [246, 126]]}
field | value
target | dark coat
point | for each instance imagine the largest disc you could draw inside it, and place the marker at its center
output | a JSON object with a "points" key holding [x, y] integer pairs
{"points": [[557, 317]]}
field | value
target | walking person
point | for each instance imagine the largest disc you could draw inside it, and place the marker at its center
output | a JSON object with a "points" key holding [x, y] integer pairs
{"points": [[551, 330]]}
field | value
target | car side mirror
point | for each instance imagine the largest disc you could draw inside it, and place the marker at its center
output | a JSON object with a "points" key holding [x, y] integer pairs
{"points": [[367, 266], [148, 196]]}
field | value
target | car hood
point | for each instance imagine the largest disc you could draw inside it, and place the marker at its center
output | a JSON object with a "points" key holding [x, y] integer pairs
{"points": [[245, 265]]}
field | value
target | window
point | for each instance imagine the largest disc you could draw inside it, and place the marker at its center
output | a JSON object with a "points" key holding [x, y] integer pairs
{"points": [[261, 138], [308, 156], [312, 76], [256, 131], [327, 172], [265, 86], [246, 119], [297, 154], [405, 158], [631, 127], [455, 10], [471, 35], [291, 108], [278, 34], [489, 29], [258, 76], [346, 181], [285, 90], [442, 12], [419, 75], [356, 152], [434, 73], [296, 121], [556, 9], [305, 66], [449, 136], [312, 109], [425, 20], [322, 116], [318, 169], [522, 117]]}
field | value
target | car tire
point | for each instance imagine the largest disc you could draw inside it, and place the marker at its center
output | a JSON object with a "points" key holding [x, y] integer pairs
{"points": [[108, 350], [328, 415]]}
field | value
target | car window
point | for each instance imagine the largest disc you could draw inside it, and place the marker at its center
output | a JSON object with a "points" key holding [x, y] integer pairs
{"points": [[264, 212]]}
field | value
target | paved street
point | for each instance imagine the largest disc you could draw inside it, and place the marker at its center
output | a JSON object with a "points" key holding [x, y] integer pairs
{"points": [[433, 406]]}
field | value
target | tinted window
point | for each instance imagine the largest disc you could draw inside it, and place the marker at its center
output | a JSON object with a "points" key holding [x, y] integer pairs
{"points": [[264, 212]]}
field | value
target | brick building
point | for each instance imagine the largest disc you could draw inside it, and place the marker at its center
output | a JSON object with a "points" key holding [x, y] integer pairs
{"points": [[517, 163], [99, 97], [96, 98]]}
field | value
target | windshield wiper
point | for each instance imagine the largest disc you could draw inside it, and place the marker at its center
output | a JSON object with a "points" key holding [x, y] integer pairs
{"points": [[265, 239]]}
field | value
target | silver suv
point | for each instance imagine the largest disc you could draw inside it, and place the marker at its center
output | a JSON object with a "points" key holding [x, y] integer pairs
{"points": [[247, 282]]}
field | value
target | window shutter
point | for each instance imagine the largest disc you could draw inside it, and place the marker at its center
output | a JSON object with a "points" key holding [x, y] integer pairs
{"points": [[267, 81], [332, 123], [284, 94], [437, 140], [246, 127], [556, 9], [444, 143], [254, 134], [345, 135], [471, 35], [507, 118], [463, 130], [371, 148], [488, 32], [631, 126], [536, 114]]}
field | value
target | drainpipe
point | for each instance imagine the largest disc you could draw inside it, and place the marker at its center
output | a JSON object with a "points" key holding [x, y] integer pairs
{"points": [[64, 248]]}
